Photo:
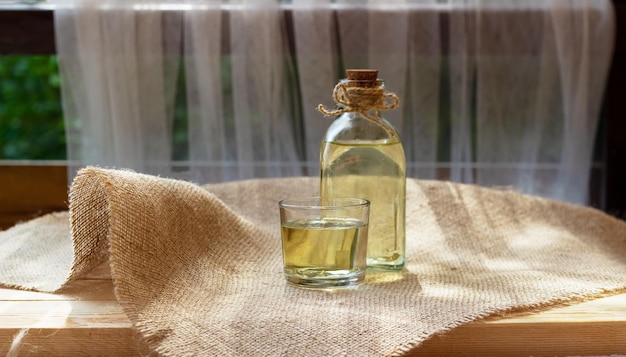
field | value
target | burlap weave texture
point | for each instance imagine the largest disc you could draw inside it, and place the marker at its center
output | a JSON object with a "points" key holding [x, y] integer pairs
{"points": [[198, 269]]}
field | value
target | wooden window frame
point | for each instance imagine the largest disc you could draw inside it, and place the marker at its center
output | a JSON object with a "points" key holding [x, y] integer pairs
{"points": [[28, 191]]}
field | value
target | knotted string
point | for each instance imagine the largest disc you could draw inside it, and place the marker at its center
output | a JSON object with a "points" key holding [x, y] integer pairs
{"points": [[362, 100]]}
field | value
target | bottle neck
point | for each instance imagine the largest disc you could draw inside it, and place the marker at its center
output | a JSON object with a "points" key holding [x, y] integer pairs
{"points": [[360, 96], [372, 114]]}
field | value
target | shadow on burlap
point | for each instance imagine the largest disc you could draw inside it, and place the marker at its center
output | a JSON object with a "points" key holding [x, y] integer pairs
{"points": [[198, 270]]}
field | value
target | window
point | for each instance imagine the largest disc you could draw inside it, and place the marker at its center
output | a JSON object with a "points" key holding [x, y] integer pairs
{"points": [[27, 38]]}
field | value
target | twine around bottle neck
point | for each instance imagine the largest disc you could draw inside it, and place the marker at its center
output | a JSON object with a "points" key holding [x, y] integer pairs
{"points": [[362, 99]]}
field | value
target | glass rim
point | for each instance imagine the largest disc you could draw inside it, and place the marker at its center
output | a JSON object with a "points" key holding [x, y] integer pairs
{"points": [[316, 202]]}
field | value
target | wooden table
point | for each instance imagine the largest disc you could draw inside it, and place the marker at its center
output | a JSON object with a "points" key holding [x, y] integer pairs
{"points": [[86, 319]]}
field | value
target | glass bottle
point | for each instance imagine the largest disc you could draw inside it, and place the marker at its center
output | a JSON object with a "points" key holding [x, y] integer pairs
{"points": [[362, 156]]}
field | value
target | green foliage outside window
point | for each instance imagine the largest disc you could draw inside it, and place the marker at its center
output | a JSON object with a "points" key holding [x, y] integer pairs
{"points": [[31, 114]]}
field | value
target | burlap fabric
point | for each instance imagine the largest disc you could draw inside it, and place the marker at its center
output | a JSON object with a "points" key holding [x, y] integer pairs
{"points": [[199, 272]]}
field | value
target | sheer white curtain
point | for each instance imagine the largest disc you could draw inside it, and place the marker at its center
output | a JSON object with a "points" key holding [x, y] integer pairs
{"points": [[504, 93]]}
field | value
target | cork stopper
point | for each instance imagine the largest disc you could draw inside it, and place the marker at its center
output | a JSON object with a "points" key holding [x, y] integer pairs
{"points": [[362, 74], [364, 78]]}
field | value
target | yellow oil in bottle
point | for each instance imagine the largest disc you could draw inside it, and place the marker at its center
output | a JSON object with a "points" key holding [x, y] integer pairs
{"points": [[374, 170]]}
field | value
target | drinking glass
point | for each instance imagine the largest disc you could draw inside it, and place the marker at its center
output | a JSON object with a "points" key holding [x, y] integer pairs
{"points": [[324, 241]]}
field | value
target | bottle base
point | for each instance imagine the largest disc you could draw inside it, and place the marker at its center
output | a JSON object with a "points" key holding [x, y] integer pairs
{"points": [[382, 266]]}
